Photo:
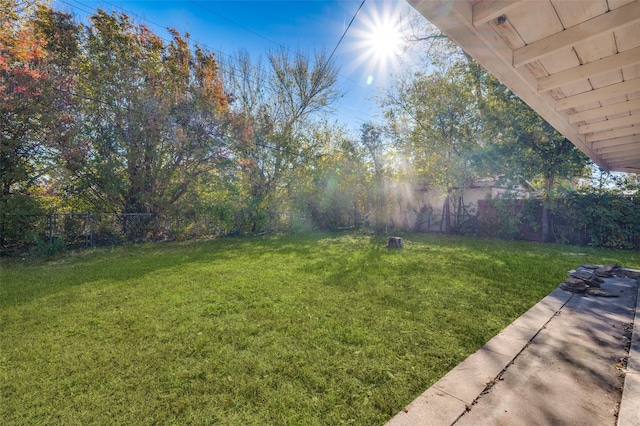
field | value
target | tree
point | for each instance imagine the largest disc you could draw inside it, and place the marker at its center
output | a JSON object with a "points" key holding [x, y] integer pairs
{"points": [[374, 148], [21, 82], [61, 34], [331, 190], [154, 116], [36, 49], [525, 148], [516, 142], [276, 111], [436, 125], [458, 122], [428, 44]]}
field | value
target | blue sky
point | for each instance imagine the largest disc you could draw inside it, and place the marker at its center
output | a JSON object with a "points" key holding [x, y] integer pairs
{"points": [[256, 26]]}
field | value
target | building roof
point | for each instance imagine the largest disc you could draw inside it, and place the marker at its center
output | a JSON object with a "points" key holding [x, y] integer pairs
{"points": [[577, 63]]}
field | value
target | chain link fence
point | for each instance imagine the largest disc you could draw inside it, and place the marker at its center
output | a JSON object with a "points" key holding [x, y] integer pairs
{"points": [[25, 234], [28, 234]]}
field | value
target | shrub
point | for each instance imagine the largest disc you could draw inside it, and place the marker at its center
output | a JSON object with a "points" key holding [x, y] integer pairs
{"points": [[50, 248]]}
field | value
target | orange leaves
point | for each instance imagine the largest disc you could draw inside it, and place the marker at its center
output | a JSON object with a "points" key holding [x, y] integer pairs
{"points": [[245, 162], [20, 46], [20, 84], [247, 132], [29, 48], [21, 53]]}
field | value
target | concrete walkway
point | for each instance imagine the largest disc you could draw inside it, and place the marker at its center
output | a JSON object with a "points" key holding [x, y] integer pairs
{"points": [[569, 360]]}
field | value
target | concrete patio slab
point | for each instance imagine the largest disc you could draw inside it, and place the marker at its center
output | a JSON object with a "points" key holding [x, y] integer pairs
{"points": [[630, 405], [432, 407], [562, 362], [477, 372]]}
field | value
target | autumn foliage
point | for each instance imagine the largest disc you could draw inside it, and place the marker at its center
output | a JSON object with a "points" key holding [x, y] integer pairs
{"points": [[111, 117]]}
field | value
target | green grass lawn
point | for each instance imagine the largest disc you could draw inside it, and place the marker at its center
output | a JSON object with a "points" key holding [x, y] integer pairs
{"points": [[325, 329]]}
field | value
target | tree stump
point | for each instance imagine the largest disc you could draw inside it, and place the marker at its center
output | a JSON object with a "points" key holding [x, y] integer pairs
{"points": [[394, 243]]}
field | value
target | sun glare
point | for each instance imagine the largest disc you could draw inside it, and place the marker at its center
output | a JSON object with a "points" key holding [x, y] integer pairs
{"points": [[378, 41], [384, 41]]}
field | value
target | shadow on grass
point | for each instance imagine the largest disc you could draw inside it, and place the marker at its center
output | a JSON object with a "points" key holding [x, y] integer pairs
{"points": [[343, 260], [24, 281]]}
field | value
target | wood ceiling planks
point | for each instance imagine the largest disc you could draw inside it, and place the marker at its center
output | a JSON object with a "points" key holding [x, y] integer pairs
{"points": [[577, 62], [581, 33], [590, 70], [489, 10], [596, 95], [606, 111]]}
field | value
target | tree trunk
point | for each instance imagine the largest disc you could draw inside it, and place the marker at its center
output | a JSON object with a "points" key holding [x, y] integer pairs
{"points": [[356, 222], [546, 228], [545, 222], [445, 225]]}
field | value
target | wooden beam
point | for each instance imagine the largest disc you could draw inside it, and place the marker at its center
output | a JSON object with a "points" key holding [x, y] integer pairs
{"points": [[597, 95], [611, 156], [625, 163], [613, 109], [592, 69], [634, 169], [630, 168], [489, 10], [615, 142], [631, 151], [609, 124], [624, 159], [617, 162], [588, 30], [612, 134], [630, 148]]}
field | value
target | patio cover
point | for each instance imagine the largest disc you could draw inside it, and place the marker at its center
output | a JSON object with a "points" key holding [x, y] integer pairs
{"points": [[577, 63]]}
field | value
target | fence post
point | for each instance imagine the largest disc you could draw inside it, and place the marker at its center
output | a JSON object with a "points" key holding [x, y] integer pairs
{"points": [[91, 226], [86, 229]]}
